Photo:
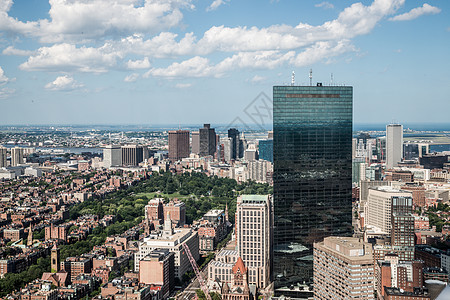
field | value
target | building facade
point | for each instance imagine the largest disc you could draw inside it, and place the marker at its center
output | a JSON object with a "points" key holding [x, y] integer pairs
{"points": [[394, 145], [208, 139], [343, 269], [312, 175], [254, 236], [178, 144]]}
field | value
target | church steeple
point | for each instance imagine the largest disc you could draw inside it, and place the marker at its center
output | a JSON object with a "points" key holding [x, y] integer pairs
{"points": [[30, 237], [226, 211]]}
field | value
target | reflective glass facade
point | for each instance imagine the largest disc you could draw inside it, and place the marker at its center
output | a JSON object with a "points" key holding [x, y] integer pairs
{"points": [[312, 174], [265, 148]]}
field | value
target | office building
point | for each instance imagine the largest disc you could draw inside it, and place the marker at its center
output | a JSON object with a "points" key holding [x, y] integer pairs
{"points": [[178, 144], [3, 156], [195, 145], [233, 134], [157, 268], [254, 236], [208, 139], [112, 156], [132, 155], [312, 175], [390, 210], [227, 146], [265, 148], [16, 156], [173, 240], [343, 269], [394, 145]]}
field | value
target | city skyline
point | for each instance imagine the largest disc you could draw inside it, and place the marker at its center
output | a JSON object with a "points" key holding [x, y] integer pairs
{"points": [[180, 60]]}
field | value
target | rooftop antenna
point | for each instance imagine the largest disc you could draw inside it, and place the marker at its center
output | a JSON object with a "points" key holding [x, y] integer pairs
{"points": [[310, 77], [293, 79], [331, 78]]}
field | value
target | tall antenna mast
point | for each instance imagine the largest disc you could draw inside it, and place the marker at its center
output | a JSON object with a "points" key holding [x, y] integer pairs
{"points": [[310, 77], [293, 79]]}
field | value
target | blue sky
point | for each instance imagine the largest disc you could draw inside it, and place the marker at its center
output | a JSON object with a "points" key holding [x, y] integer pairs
{"points": [[186, 61]]}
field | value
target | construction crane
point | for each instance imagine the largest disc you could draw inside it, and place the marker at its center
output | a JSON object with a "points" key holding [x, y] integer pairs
{"points": [[197, 271]]}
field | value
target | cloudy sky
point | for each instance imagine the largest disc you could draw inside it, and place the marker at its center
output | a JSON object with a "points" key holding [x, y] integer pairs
{"points": [[195, 61]]}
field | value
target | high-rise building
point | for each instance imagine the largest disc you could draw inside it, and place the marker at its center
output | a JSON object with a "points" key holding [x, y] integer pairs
{"points": [[178, 144], [227, 145], [265, 148], [343, 269], [195, 145], [390, 210], [254, 236], [208, 140], [3, 155], [132, 155], [16, 156], [312, 175], [112, 156], [233, 133], [394, 145]]}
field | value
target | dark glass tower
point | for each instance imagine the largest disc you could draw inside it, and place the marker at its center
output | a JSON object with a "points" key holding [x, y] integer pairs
{"points": [[312, 174]]}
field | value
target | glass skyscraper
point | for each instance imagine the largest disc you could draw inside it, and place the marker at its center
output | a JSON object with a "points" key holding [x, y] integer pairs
{"points": [[312, 175]]}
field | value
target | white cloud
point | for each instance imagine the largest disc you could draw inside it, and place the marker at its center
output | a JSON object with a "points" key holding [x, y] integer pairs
{"points": [[13, 51], [3, 78], [322, 50], [246, 47], [414, 13], [325, 4], [215, 4], [257, 79], [63, 83], [6, 92], [183, 85], [193, 67], [132, 77], [138, 64], [67, 57], [82, 20]]}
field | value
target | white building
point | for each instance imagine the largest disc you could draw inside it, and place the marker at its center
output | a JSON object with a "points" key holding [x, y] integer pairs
{"points": [[112, 156], [394, 145], [379, 207], [172, 239], [16, 156], [254, 230]]}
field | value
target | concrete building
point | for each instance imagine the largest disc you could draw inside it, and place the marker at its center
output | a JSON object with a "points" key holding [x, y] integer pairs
{"points": [[112, 156], [259, 170], [16, 156], [390, 210], [195, 144], [132, 155], [177, 211], [227, 144], [343, 269], [178, 144], [379, 206], [208, 139], [171, 239], [394, 145], [3, 156], [157, 268], [254, 234], [75, 266]]}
